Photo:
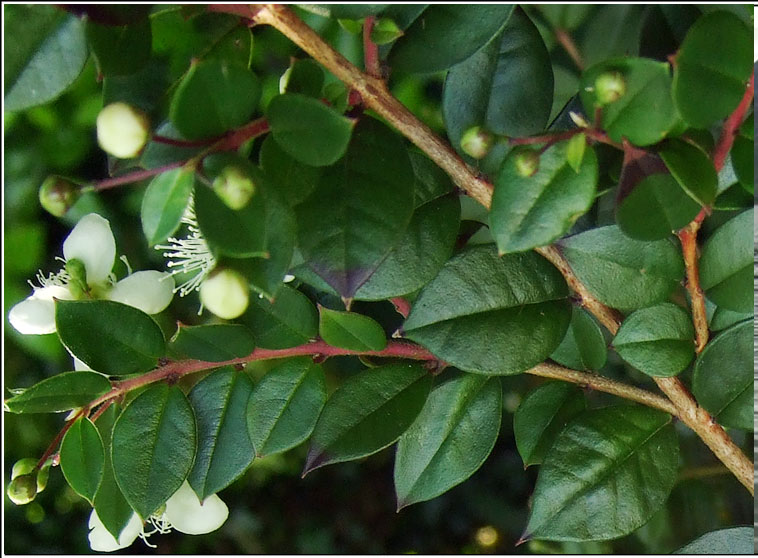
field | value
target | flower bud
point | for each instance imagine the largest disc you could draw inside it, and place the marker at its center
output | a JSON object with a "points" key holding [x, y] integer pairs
{"points": [[234, 187], [609, 87], [23, 489], [225, 293], [477, 142], [122, 130], [527, 162], [57, 195]]}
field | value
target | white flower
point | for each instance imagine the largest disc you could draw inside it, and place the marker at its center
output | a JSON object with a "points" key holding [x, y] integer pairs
{"points": [[101, 540], [92, 244]]}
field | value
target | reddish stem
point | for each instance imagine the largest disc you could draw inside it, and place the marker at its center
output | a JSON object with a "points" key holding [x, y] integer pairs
{"points": [[134, 176], [731, 125], [370, 49]]}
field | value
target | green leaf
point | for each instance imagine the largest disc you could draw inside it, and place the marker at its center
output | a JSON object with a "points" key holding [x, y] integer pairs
{"points": [[46, 52], [692, 168], [659, 340], [489, 90], [621, 272], [444, 35], [452, 436], [295, 180], [655, 208], [583, 347], [645, 112], [110, 337], [213, 342], [606, 474], [359, 210], [509, 313], [351, 331], [82, 458], [308, 130], [224, 448], [712, 68], [153, 447], [285, 405], [62, 392], [533, 211], [726, 264], [214, 97], [541, 416], [722, 381], [164, 203], [367, 413], [109, 44], [733, 540], [289, 321]]}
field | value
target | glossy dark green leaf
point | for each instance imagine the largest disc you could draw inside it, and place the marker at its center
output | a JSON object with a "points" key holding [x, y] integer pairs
{"points": [[213, 342], [659, 340], [655, 208], [307, 129], [82, 458], [733, 540], [624, 273], [110, 337], [645, 112], [726, 264], [490, 89], [533, 211], [289, 321], [214, 97], [153, 447], [224, 448], [367, 413], [359, 210], [122, 49], [285, 405], [349, 330], [444, 35], [606, 474], [46, 51], [452, 436], [712, 68], [583, 347], [722, 381], [61, 392], [293, 179], [164, 203], [509, 313], [692, 168], [542, 415]]}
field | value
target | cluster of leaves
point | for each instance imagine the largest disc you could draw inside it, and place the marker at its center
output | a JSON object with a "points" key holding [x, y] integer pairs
{"points": [[343, 203]]}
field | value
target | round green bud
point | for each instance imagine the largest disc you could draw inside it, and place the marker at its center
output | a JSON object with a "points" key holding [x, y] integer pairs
{"points": [[23, 467], [609, 87], [57, 195], [234, 186], [477, 142], [527, 162], [225, 293], [23, 489], [122, 130]]}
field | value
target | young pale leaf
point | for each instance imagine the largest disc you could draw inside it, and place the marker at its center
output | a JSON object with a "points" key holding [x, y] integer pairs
{"points": [[452, 436], [367, 413], [722, 380], [692, 168], [164, 203], [624, 273], [82, 458], [734, 540], [224, 449], [308, 130], [289, 321], [509, 313], [605, 476], [541, 416], [285, 405], [444, 35], [109, 337], [726, 264], [534, 210], [349, 330], [153, 447], [294, 179], [108, 44], [213, 342], [712, 67], [583, 347], [658, 340], [62, 392]]}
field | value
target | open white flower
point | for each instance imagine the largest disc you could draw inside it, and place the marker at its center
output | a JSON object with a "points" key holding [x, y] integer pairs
{"points": [[91, 243]]}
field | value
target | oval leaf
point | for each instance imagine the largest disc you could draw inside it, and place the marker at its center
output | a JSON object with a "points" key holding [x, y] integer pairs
{"points": [[583, 347], [165, 202], [213, 343], [349, 330], [82, 458], [62, 392]]}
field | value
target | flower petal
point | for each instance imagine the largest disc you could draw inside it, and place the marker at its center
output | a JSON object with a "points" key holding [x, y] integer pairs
{"points": [[33, 316], [150, 291], [93, 244], [101, 540], [187, 514]]}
